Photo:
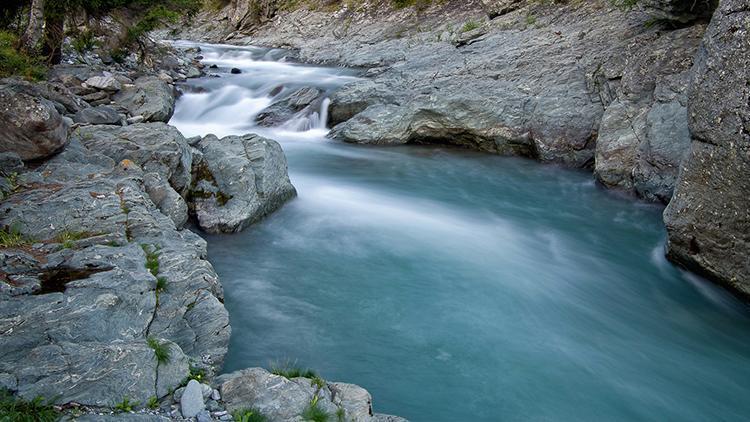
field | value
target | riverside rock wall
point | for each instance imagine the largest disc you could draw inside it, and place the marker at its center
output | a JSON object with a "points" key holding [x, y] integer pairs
{"points": [[98, 274], [626, 93]]}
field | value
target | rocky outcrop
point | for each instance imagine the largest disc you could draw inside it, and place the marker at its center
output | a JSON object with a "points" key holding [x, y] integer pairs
{"points": [[149, 97], [709, 215], [236, 181], [281, 399], [682, 11], [31, 125]]}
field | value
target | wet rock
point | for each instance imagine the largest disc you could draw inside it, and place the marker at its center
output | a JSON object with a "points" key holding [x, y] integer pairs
{"points": [[149, 97], [100, 115], [31, 126], [708, 218], [238, 180], [235, 71], [191, 402], [287, 106]]}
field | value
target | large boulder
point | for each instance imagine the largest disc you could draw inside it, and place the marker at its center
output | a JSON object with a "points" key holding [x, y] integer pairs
{"points": [[237, 180], [100, 115], [156, 147], [31, 126], [149, 97], [709, 215], [682, 11]]}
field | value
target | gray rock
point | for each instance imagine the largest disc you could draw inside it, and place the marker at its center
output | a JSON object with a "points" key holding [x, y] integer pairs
{"points": [[682, 11], [32, 126], [238, 180], [709, 215], [355, 400], [8, 382], [287, 105], [191, 402], [104, 83], [101, 115], [169, 202], [10, 163], [156, 147], [495, 8], [149, 97], [135, 119], [380, 417], [215, 395], [135, 417]]}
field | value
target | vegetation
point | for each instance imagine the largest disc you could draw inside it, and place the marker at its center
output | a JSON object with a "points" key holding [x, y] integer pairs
{"points": [[67, 238], [195, 373], [14, 409], [470, 26], [152, 258], [153, 402], [340, 414], [125, 405], [161, 350], [317, 382], [11, 237], [290, 370], [15, 62], [249, 415], [313, 412], [84, 41], [161, 284]]}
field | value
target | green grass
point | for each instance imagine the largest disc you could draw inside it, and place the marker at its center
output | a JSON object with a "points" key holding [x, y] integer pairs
{"points": [[68, 238], [289, 370], [470, 26], [125, 406], [161, 284], [249, 415], [153, 402], [152, 258], [83, 41], [14, 409], [313, 412], [340, 415], [195, 373], [161, 350], [530, 19], [12, 181], [11, 237], [317, 382], [16, 63]]}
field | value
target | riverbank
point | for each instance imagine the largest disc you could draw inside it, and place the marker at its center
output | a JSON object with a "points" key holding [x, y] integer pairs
{"points": [[583, 84], [108, 306]]}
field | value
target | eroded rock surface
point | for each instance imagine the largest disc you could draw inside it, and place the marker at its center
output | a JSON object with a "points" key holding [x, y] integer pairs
{"points": [[708, 219]]}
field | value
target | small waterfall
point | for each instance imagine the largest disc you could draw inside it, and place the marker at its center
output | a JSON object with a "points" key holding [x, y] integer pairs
{"points": [[304, 120]]}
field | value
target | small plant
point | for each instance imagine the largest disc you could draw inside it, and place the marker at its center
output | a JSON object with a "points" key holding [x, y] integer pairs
{"points": [[161, 284], [14, 409], [152, 403], [152, 258], [195, 374], [11, 237], [340, 415], [68, 238], [313, 412], [290, 370], [470, 26], [624, 4], [125, 406], [249, 415], [16, 63], [530, 19], [84, 41], [317, 382], [161, 350]]}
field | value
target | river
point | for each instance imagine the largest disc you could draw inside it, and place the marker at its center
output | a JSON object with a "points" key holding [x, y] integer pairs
{"points": [[458, 286]]}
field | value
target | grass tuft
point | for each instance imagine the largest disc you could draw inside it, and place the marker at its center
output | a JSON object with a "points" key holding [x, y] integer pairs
{"points": [[153, 402], [68, 238], [249, 415], [313, 412], [161, 350], [125, 406], [152, 258], [290, 370], [470, 26], [11, 237], [14, 409], [161, 284]]}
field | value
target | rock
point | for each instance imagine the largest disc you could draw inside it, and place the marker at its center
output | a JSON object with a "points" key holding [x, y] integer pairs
{"points": [[135, 119], [156, 147], [149, 97], [238, 180], [177, 395], [495, 8], [203, 416], [215, 395], [8, 382], [682, 11], [191, 402], [31, 126], [355, 400], [708, 218], [100, 115], [104, 83], [10, 163], [169, 202], [283, 109], [235, 71], [379, 417], [206, 391]]}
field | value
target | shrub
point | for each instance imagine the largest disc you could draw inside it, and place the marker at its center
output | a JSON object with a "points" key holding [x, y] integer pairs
{"points": [[249, 415], [15, 63], [161, 350], [14, 409]]}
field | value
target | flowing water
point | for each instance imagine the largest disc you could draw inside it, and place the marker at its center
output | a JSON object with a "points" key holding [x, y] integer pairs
{"points": [[457, 286]]}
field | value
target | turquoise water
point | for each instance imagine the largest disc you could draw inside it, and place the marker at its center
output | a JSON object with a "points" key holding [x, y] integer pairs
{"points": [[457, 286]]}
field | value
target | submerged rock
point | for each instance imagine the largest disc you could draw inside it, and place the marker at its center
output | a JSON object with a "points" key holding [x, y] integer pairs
{"points": [[709, 215], [238, 180]]}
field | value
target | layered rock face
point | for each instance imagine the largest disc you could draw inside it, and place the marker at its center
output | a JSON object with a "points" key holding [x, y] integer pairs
{"points": [[708, 220]]}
